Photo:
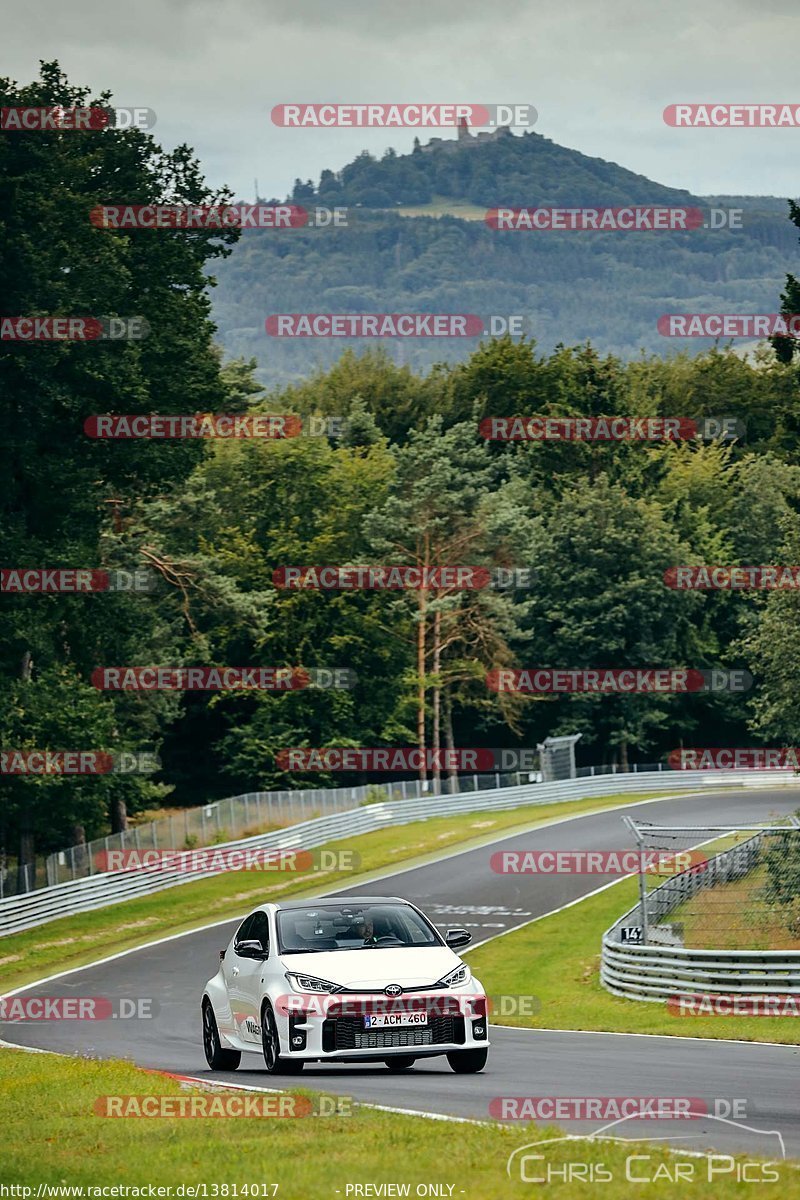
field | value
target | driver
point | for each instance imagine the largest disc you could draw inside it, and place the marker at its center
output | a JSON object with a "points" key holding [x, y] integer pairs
{"points": [[364, 928]]}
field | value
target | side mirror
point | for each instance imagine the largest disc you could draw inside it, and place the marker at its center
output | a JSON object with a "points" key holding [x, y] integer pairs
{"points": [[455, 938], [249, 949]]}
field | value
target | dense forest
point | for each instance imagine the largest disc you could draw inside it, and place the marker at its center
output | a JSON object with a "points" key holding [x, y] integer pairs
{"points": [[608, 287], [407, 479]]}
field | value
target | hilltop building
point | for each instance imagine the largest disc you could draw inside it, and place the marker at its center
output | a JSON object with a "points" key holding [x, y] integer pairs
{"points": [[466, 138]]}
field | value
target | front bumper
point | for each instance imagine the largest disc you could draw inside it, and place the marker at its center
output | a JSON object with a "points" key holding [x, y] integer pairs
{"points": [[338, 1029]]}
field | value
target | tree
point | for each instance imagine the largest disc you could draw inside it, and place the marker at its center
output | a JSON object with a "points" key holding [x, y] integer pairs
{"points": [[437, 514], [600, 601], [64, 493]]}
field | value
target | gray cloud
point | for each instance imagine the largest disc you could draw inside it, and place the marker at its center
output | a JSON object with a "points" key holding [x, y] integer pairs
{"points": [[600, 76]]}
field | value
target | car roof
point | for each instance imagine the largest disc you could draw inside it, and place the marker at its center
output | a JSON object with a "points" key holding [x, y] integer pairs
{"points": [[338, 901]]}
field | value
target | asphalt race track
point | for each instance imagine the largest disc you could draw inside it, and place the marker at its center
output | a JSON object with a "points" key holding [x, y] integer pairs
{"points": [[462, 890]]}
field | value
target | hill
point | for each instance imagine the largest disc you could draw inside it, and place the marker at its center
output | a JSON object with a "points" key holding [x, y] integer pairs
{"points": [[403, 250]]}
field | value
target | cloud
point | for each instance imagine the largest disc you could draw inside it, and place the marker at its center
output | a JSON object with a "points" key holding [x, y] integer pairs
{"points": [[599, 75]]}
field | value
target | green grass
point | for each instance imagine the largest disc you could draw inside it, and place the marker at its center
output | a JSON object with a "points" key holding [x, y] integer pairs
{"points": [[557, 960], [52, 1135], [736, 916], [77, 940], [443, 207]]}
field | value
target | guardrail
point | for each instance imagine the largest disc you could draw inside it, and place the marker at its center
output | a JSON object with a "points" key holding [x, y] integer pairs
{"points": [[657, 972], [241, 816], [98, 891]]}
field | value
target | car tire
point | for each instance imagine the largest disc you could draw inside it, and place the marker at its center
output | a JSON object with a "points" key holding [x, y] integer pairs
{"points": [[274, 1061], [400, 1063], [467, 1062], [217, 1058]]}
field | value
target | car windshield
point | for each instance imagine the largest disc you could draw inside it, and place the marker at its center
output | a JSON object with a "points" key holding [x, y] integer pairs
{"points": [[352, 927]]}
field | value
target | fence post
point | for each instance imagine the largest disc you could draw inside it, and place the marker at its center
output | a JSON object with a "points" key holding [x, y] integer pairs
{"points": [[642, 879]]}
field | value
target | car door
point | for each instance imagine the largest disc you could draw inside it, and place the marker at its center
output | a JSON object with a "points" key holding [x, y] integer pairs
{"points": [[232, 971], [251, 971]]}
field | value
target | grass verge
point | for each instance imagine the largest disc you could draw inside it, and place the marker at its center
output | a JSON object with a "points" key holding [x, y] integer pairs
{"points": [[77, 940], [557, 960], [52, 1136], [736, 916]]}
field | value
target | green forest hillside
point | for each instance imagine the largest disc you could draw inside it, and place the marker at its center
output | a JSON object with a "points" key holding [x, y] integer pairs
{"points": [[607, 287]]}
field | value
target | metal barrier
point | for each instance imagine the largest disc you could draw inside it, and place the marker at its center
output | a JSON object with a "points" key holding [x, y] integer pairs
{"points": [[657, 972], [97, 891], [241, 816]]}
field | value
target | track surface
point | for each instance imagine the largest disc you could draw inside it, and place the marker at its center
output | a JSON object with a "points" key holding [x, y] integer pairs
{"points": [[463, 890]]}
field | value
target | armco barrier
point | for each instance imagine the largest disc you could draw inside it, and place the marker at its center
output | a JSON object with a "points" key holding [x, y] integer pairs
{"points": [[655, 972], [98, 891]]}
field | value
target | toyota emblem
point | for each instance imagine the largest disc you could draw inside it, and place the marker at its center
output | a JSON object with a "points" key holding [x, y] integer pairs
{"points": [[393, 989]]}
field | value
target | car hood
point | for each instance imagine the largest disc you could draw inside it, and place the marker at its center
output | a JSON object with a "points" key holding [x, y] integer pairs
{"points": [[377, 967]]}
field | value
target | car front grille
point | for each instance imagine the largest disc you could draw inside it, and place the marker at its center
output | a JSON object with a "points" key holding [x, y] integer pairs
{"points": [[348, 1033]]}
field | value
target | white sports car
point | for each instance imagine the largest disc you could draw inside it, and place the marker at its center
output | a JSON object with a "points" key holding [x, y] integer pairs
{"points": [[359, 979]]}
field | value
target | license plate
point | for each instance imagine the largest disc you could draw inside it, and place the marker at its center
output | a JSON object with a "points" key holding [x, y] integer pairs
{"points": [[386, 1020]]}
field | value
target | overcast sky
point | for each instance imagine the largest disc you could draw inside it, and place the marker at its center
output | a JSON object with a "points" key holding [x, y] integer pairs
{"points": [[599, 74]]}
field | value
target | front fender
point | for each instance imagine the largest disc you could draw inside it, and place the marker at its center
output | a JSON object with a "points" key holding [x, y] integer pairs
{"points": [[216, 991]]}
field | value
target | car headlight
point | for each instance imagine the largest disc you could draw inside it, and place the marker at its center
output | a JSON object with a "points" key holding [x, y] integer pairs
{"points": [[455, 978], [310, 983]]}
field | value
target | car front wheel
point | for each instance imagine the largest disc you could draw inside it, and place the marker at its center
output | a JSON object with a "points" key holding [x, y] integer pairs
{"points": [[275, 1063], [217, 1058], [467, 1062]]}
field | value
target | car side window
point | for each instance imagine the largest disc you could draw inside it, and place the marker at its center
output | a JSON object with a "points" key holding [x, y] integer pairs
{"points": [[259, 930], [243, 932]]}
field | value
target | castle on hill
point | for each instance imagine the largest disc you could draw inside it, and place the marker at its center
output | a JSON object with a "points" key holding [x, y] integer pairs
{"points": [[465, 138]]}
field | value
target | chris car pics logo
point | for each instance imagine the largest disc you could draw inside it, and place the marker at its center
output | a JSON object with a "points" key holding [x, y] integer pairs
{"points": [[595, 1158]]}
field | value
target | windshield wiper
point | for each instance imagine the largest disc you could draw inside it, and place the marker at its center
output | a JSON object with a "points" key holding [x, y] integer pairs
{"points": [[311, 950]]}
